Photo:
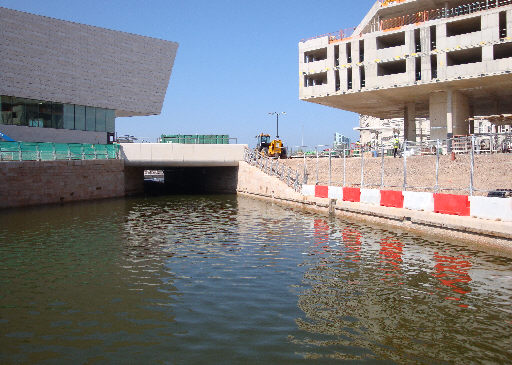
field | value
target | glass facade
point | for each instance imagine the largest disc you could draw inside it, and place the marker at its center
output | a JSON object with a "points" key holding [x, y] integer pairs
{"points": [[46, 114]]}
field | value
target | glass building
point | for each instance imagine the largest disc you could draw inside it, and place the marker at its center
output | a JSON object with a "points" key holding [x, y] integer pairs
{"points": [[82, 78], [47, 114]]}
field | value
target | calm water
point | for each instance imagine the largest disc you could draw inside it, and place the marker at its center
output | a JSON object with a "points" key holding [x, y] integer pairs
{"points": [[233, 280]]}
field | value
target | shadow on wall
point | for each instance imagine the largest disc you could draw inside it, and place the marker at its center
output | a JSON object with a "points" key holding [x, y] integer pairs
{"points": [[195, 180]]}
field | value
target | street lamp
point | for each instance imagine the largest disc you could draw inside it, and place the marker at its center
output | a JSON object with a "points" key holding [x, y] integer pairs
{"points": [[277, 117]]}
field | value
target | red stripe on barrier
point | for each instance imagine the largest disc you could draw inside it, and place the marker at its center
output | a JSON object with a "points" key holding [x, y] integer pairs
{"points": [[391, 198], [452, 204], [321, 191], [352, 195]]}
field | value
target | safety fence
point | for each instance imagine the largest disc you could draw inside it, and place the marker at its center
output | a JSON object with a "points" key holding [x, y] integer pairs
{"points": [[42, 151], [415, 18], [274, 167], [478, 164]]}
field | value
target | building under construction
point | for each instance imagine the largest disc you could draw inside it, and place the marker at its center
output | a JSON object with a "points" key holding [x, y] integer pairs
{"points": [[445, 61]]}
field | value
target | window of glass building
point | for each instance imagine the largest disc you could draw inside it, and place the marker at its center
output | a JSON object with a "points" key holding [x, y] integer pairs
{"points": [[19, 116], [80, 117], [90, 118], [111, 121], [57, 115], [100, 120], [68, 116], [5, 110], [46, 114]]}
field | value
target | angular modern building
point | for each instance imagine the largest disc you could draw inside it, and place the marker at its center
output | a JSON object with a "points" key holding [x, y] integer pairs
{"points": [[444, 60], [67, 82]]}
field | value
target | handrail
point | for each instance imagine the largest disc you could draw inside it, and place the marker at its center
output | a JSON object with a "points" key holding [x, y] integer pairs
{"points": [[416, 18], [47, 151], [272, 167]]}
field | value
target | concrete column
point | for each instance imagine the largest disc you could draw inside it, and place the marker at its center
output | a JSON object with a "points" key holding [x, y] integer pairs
{"points": [[343, 53], [449, 111], [426, 70], [410, 122], [371, 75], [330, 57], [509, 23], [343, 79], [410, 67], [441, 66], [491, 27], [425, 39], [487, 53], [356, 77], [461, 111], [409, 42], [441, 36], [331, 81]]}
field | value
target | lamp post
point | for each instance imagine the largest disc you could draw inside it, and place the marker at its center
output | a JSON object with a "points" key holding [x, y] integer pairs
{"points": [[277, 120]]}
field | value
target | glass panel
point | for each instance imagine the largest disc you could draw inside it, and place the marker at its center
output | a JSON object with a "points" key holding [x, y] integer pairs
{"points": [[57, 115], [90, 118], [80, 117], [110, 121], [100, 120], [19, 116], [6, 110], [32, 109], [69, 116], [45, 113]]}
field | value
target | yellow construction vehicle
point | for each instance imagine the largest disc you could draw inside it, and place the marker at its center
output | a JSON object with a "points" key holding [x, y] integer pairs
{"points": [[270, 148]]}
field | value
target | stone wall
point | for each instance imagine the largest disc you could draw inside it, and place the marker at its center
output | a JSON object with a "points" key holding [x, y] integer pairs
{"points": [[33, 183]]}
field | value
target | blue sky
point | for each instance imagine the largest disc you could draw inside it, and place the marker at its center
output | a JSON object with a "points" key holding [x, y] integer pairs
{"points": [[237, 61]]}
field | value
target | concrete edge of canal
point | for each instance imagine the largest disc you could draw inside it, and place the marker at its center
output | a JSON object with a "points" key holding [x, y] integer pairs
{"points": [[494, 235]]}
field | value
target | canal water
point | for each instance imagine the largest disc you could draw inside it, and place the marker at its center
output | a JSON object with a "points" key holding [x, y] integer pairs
{"points": [[226, 279]]}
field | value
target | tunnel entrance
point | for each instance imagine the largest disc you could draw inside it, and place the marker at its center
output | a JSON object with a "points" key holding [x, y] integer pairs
{"points": [[193, 180]]}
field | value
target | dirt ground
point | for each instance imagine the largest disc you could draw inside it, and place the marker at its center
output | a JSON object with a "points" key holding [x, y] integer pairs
{"points": [[491, 172]]}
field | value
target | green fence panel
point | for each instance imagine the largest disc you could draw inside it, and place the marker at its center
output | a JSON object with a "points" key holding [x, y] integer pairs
{"points": [[9, 151], [29, 151]]}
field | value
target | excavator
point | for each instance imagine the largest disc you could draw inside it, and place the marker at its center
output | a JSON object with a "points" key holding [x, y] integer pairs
{"points": [[270, 148]]}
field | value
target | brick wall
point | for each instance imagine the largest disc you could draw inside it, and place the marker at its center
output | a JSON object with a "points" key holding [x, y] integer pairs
{"points": [[33, 183]]}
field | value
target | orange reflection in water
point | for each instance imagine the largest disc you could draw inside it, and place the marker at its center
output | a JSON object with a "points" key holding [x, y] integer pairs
{"points": [[391, 251], [352, 241], [453, 272], [321, 236]]}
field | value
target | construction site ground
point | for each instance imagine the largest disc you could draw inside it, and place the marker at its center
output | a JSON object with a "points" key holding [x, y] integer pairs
{"points": [[491, 172]]}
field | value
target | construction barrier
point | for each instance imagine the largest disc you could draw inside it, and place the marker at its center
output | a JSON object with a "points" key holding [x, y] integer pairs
{"points": [[336, 192], [491, 208], [391, 198], [370, 196], [352, 195], [414, 200], [321, 191], [462, 205], [451, 204], [308, 190]]}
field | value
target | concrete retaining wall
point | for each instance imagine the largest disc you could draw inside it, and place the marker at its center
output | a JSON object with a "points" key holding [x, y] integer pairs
{"points": [[33, 183]]}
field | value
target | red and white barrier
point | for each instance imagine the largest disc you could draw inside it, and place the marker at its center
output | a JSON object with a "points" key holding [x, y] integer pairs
{"points": [[391, 198], [370, 196], [462, 205], [308, 190], [415, 200], [336, 192], [351, 195], [491, 208], [451, 204]]}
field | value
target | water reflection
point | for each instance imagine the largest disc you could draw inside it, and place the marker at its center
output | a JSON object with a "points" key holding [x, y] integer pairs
{"points": [[233, 280]]}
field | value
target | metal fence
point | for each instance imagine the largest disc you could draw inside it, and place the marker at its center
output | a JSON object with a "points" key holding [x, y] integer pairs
{"points": [[274, 167], [469, 164], [42, 151]]}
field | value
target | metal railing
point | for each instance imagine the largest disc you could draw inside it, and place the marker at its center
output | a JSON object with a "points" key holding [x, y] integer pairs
{"points": [[415, 18], [43, 151], [369, 167], [274, 167]]}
